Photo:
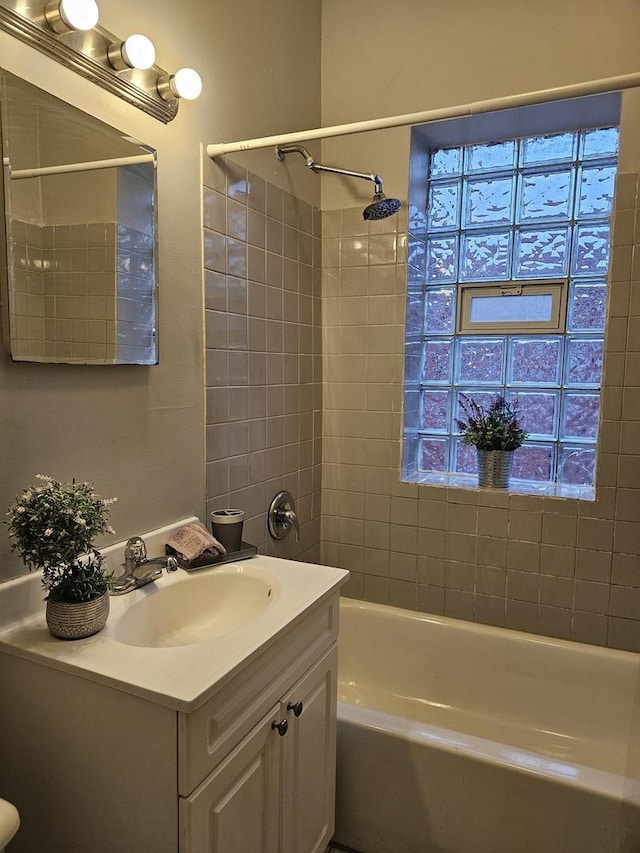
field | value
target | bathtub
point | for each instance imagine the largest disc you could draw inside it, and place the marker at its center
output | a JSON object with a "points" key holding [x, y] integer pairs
{"points": [[461, 738]]}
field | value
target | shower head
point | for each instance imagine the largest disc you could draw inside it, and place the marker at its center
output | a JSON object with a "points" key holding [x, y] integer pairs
{"points": [[380, 207]]}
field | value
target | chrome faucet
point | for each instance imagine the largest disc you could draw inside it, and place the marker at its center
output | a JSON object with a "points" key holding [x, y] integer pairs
{"points": [[282, 517], [138, 569]]}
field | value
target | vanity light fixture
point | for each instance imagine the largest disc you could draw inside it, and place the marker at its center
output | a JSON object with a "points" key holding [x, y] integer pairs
{"points": [[66, 15], [185, 83], [136, 51], [68, 31]]}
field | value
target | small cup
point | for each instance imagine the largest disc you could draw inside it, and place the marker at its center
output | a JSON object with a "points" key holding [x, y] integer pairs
{"points": [[226, 526]]}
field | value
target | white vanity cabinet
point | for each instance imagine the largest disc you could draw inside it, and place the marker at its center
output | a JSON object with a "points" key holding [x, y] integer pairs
{"points": [[275, 792], [96, 768]]}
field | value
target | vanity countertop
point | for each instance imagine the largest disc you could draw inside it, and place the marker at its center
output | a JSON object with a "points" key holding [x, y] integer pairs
{"points": [[181, 677]]}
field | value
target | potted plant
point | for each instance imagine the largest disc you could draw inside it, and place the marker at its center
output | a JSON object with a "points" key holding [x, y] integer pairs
{"points": [[496, 433], [53, 525]]}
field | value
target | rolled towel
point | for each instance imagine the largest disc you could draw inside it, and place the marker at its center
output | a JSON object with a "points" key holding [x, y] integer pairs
{"points": [[193, 541]]}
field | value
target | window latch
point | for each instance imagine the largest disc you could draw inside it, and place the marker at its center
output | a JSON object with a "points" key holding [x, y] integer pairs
{"points": [[511, 290]]}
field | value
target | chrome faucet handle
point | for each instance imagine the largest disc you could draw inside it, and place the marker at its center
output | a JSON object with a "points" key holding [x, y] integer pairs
{"points": [[289, 517], [282, 517], [135, 552]]}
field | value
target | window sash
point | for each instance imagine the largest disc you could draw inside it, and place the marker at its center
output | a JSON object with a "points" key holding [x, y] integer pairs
{"points": [[470, 294]]}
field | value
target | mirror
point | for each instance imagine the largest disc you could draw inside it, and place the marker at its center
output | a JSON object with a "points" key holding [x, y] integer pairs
{"points": [[79, 281]]}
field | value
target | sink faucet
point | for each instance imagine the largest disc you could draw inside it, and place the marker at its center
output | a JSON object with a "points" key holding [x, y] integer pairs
{"points": [[138, 569]]}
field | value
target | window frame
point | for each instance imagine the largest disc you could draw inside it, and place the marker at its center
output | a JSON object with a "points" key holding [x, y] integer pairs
{"points": [[551, 118], [557, 289]]}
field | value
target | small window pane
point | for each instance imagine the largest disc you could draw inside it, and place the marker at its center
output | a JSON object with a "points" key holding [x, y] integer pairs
{"points": [[587, 306], [596, 190], [480, 361], [591, 250], [527, 308], [542, 252], [577, 465], [482, 398], [584, 361], [435, 411], [440, 307], [486, 256], [465, 458], [433, 454], [445, 161], [436, 365], [534, 462], [552, 148], [538, 412], [417, 219], [535, 360], [416, 259], [547, 196], [602, 142], [415, 309], [444, 203], [580, 417], [491, 156], [488, 201], [442, 259]]}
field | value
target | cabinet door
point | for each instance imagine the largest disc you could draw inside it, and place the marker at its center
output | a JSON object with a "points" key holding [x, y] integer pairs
{"points": [[309, 760], [236, 808]]}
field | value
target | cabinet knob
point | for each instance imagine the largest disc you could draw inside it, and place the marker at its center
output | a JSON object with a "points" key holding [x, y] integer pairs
{"points": [[296, 707], [282, 727]]}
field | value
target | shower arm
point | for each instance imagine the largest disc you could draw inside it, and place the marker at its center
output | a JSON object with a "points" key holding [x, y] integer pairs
{"points": [[283, 150]]}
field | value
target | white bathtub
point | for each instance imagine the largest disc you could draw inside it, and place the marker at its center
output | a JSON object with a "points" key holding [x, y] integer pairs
{"points": [[461, 738]]}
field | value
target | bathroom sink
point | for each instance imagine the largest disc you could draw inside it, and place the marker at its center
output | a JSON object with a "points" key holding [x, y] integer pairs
{"points": [[195, 608]]}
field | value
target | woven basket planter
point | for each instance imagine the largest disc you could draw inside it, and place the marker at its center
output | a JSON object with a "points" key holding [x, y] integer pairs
{"points": [[494, 468], [75, 621]]}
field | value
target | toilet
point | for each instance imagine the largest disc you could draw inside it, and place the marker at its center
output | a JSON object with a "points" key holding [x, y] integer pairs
{"points": [[9, 823]]}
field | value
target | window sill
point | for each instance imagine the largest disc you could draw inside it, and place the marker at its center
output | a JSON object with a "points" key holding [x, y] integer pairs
{"points": [[517, 487]]}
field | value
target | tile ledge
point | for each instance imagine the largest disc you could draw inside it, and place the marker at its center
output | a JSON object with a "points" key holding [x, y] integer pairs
{"points": [[516, 487]]}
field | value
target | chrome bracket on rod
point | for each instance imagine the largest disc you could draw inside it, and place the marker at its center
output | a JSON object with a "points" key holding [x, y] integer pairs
{"points": [[86, 53]]}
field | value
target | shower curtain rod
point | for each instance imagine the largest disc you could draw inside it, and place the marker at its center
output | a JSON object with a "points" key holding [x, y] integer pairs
{"points": [[543, 96], [90, 166]]}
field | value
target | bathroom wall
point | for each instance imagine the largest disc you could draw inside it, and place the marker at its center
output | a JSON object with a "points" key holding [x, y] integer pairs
{"points": [[557, 567], [262, 259], [138, 432]]}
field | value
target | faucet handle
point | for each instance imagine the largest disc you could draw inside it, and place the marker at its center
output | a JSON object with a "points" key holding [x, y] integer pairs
{"points": [[135, 552], [281, 516], [289, 517]]}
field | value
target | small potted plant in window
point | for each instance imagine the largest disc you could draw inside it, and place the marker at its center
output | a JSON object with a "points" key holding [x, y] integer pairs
{"points": [[496, 433], [53, 525]]}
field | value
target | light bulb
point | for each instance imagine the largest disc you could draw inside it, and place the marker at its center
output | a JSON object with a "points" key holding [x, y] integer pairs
{"points": [[65, 15], [185, 83], [136, 51]]}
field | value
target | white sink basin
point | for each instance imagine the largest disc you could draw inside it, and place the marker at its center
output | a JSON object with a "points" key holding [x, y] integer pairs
{"points": [[176, 640], [9, 822], [195, 608]]}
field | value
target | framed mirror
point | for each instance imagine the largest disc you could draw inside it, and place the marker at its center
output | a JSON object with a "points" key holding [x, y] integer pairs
{"points": [[78, 255]]}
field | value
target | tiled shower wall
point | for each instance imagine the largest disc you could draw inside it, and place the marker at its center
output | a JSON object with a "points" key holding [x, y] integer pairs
{"points": [[82, 292], [64, 286], [558, 567], [263, 353], [136, 301]]}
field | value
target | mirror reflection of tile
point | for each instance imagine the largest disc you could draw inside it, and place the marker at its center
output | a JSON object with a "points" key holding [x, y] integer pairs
{"points": [[81, 270]]}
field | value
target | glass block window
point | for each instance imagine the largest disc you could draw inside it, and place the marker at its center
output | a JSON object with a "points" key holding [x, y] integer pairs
{"points": [[526, 212]]}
